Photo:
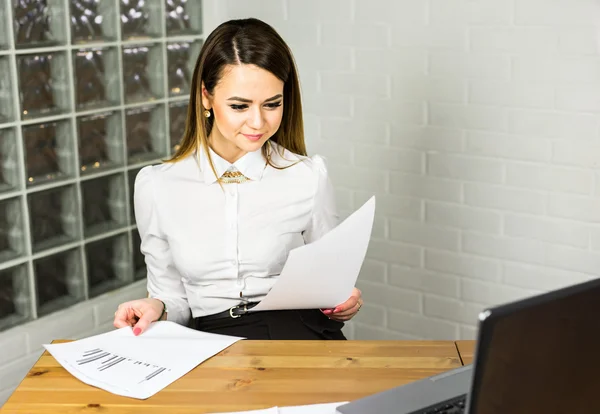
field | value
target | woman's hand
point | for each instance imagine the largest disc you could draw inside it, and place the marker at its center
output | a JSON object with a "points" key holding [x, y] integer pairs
{"points": [[138, 313], [346, 310]]}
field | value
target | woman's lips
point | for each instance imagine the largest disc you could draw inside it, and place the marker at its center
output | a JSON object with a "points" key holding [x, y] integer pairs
{"points": [[254, 137]]}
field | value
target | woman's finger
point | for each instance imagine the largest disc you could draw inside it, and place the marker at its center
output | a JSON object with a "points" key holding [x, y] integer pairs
{"points": [[347, 315], [118, 323], [355, 297], [346, 306], [142, 324], [351, 311], [124, 316]]}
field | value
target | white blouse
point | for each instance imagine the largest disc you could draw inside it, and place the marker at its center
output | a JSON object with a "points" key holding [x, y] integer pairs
{"points": [[207, 248]]}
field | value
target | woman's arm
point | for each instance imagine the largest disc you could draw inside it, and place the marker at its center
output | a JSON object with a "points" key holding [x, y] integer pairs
{"points": [[164, 281], [324, 216]]}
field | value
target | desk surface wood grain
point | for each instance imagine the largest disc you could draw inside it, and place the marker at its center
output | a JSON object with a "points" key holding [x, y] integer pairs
{"points": [[466, 350], [249, 375]]}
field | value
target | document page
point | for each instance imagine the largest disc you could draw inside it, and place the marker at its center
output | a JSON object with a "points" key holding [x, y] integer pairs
{"points": [[138, 366], [328, 408], [322, 274], [272, 410]]}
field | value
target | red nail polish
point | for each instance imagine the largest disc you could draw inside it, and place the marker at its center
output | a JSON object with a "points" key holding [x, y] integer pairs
{"points": [[137, 331]]}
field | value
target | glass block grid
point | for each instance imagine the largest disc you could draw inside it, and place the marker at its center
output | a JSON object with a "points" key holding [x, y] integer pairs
{"points": [[91, 91]]}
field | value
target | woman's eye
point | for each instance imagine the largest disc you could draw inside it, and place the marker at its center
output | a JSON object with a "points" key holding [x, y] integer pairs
{"points": [[273, 105], [242, 107]]}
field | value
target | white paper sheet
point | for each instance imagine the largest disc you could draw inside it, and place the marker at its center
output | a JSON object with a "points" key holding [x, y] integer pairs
{"points": [[138, 366], [322, 274], [328, 408], [272, 410]]}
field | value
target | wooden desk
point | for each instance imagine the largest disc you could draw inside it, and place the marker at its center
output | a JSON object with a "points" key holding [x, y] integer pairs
{"points": [[249, 375], [466, 349]]}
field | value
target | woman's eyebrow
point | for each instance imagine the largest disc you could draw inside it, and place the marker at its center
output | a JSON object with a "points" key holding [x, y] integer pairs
{"points": [[238, 99]]}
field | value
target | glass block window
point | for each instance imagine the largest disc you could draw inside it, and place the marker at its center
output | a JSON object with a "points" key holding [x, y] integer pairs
{"points": [[181, 58], [38, 23], [177, 118], [48, 152], [100, 142], [57, 281], [15, 296], [9, 169], [6, 90], [145, 131], [93, 21], [43, 84], [96, 78], [109, 264], [91, 91]]}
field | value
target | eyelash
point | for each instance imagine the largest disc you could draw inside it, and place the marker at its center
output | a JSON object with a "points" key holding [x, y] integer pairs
{"points": [[242, 107]]}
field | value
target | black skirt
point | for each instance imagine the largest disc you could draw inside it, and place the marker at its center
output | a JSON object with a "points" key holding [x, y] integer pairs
{"points": [[281, 324]]}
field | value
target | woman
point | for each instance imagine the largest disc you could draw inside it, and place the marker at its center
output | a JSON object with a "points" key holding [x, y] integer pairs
{"points": [[218, 219]]}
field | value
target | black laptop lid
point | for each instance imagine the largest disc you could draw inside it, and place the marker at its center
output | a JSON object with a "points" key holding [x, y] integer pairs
{"points": [[540, 355]]}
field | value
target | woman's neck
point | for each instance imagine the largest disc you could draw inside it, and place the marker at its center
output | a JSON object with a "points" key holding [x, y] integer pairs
{"points": [[225, 149]]}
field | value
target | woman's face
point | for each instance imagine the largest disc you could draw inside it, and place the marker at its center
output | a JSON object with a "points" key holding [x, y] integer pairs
{"points": [[247, 104]]}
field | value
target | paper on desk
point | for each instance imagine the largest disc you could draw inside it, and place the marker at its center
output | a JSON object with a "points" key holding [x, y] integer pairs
{"points": [[328, 408], [138, 366], [272, 410], [322, 274]]}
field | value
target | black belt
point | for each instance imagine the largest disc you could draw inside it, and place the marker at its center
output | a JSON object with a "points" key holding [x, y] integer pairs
{"points": [[233, 312]]}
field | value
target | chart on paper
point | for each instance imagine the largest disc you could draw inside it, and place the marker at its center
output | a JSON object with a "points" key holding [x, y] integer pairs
{"points": [[138, 367], [121, 373], [101, 360]]}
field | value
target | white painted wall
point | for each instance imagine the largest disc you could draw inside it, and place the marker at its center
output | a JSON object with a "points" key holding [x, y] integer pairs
{"points": [[475, 123]]}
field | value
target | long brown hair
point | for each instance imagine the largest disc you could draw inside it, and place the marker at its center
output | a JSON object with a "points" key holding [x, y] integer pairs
{"points": [[244, 41]]}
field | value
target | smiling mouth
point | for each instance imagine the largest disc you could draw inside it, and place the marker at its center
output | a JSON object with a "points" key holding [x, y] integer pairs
{"points": [[253, 137]]}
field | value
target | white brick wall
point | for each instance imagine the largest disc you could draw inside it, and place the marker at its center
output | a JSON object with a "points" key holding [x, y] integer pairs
{"points": [[476, 124]]}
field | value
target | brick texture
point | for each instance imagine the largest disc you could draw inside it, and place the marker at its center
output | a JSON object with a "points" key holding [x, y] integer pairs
{"points": [[476, 125]]}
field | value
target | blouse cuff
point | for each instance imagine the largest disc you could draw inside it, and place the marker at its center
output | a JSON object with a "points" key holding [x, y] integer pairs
{"points": [[176, 311]]}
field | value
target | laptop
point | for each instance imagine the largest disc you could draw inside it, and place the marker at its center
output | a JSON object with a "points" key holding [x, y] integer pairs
{"points": [[536, 355]]}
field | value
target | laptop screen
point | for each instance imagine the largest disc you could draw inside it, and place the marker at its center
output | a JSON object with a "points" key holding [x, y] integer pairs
{"points": [[541, 355]]}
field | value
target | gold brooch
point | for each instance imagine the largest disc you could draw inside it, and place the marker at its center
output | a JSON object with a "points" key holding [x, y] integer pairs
{"points": [[233, 177]]}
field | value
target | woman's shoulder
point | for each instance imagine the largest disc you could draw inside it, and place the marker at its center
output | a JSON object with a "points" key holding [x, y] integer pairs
{"points": [[163, 172], [315, 164]]}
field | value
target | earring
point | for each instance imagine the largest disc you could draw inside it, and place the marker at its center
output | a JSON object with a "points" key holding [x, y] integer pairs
{"points": [[207, 113]]}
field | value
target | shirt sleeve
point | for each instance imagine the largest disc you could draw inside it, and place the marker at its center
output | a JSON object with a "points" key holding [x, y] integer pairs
{"points": [[164, 281], [324, 216]]}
